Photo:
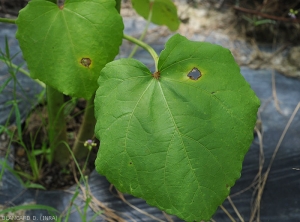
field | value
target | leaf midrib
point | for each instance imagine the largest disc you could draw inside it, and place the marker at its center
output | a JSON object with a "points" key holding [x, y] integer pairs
{"points": [[176, 128]]}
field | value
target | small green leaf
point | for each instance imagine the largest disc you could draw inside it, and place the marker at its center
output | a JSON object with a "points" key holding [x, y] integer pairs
{"points": [[164, 12], [176, 138], [66, 47]]}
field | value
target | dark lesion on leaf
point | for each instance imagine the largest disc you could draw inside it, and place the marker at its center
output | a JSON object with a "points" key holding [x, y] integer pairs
{"points": [[61, 4], [194, 74], [86, 62], [156, 75]]}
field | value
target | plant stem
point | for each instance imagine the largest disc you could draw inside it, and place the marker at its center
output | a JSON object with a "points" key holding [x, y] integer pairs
{"points": [[144, 31], [18, 68], [6, 20], [86, 130], [118, 5], [144, 46], [57, 127], [139, 42]]}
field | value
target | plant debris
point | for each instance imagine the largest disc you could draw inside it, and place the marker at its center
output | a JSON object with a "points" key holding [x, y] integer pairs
{"points": [[35, 140]]}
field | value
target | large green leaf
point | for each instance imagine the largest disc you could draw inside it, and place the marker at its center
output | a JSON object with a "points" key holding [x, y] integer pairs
{"points": [[164, 12], [66, 47], [176, 140]]}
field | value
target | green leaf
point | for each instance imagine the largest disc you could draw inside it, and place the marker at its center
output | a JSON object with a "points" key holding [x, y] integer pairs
{"points": [[66, 47], [172, 138], [164, 12]]}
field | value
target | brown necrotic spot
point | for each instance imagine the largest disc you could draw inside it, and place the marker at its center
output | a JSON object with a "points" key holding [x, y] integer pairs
{"points": [[86, 62], [156, 75], [194, 74]]}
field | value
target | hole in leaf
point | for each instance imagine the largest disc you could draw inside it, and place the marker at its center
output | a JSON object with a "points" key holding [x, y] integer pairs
{"points": [[194, 74], [86, 62]]}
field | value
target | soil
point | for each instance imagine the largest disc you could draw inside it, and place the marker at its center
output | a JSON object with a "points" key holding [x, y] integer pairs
{"points": [[52, 176], [268, 21]]}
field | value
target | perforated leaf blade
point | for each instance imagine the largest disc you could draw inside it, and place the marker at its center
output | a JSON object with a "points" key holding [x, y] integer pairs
{"points": [[164, 12], [174, 140], [66, 47]]}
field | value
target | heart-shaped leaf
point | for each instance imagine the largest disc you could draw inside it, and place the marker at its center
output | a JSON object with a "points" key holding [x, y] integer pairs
{"points": [[176, 138], [66, 47], [164, 12]]}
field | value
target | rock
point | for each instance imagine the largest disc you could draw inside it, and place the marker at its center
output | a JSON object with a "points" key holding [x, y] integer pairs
{"points": [[294, 56]]}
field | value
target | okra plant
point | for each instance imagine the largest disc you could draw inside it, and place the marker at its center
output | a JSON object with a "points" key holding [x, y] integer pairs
{"points": [[176, 137]]}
